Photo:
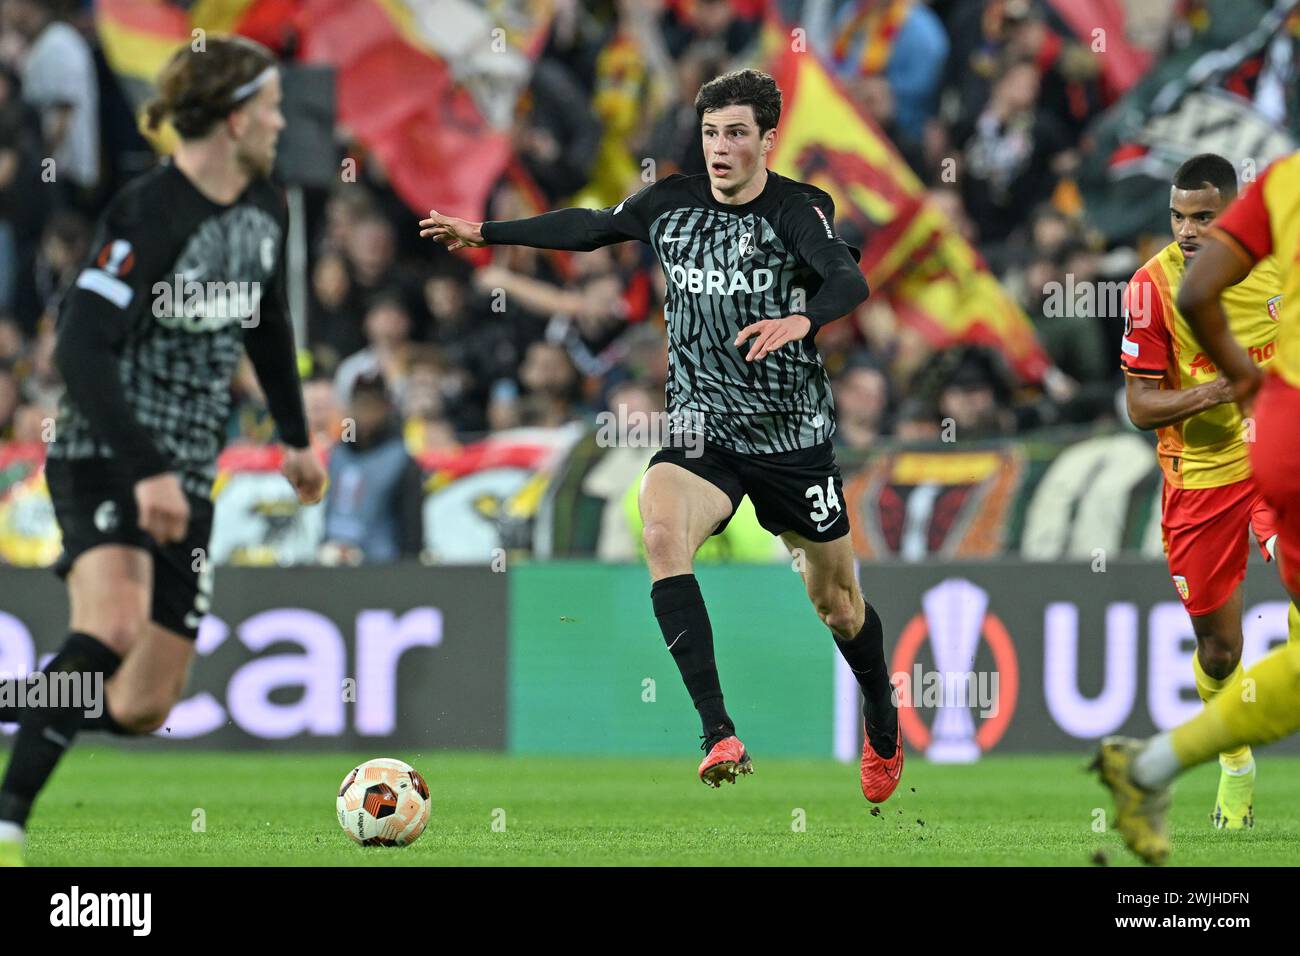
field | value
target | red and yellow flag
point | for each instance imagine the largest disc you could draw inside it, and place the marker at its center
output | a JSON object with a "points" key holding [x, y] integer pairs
{"points": [[912, 257], [426, 98]]}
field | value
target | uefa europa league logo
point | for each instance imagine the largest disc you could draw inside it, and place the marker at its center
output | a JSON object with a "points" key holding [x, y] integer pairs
{"points": [[955, 619], [954, 611]]}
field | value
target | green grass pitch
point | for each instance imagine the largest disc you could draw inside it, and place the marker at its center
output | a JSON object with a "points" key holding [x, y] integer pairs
{"points": [[107, 807]]}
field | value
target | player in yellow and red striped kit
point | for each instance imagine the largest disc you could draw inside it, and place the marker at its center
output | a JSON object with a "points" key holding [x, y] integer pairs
{"points": [[1210, 499], [1265, 705]]}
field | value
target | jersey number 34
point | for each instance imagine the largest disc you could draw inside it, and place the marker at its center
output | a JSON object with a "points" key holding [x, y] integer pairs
{"points": [[824, 500]]}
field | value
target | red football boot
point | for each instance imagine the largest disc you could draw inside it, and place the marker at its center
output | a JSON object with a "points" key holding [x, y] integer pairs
{"points": [[726, 759], [880, 777]]}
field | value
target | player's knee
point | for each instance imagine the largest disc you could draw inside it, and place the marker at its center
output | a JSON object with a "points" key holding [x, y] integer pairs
{"points": [[1218, 657], [119, 628], [662, 542]]}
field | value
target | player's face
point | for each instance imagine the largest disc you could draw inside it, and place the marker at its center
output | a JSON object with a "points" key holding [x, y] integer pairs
{"points": [[257, 129], [1191, 213], [733, 150]]}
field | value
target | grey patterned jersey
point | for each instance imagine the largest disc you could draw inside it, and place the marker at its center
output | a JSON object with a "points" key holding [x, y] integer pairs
{"points": [[728, 267], [183, 277]]}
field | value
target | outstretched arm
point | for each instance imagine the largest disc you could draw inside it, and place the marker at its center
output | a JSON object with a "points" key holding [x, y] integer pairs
{"points": [[576, 230]]}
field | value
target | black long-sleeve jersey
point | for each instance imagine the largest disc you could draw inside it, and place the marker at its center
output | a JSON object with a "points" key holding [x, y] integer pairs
{"points": [[728, 267], [151, 333]]}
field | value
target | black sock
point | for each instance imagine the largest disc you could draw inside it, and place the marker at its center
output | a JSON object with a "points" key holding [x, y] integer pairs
{"points": [[865, 655], [46, 732], [679, 606], [12, 711], [104, 722]]}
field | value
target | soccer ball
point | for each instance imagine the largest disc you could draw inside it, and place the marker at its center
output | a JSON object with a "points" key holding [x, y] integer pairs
{"points": [[383, 802]]}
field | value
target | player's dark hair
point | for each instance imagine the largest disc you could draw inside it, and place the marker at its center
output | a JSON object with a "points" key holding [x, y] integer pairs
{"points": [[1208, 169], [197, 89], [751, 88]]}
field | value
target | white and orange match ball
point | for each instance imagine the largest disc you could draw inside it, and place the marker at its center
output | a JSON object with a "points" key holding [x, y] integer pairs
{"points": [[383, 802]]}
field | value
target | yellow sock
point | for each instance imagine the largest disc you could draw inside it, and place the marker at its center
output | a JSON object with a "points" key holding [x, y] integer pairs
{"points": [[1208, 687], [1262, 707], [1292, 624]]}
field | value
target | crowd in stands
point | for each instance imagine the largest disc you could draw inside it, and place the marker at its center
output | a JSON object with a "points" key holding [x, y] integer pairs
{"points": [[998, 90]]}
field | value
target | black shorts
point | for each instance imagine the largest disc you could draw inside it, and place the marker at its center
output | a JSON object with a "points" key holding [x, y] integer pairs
{"points": [[799, 491], [95, 506]]}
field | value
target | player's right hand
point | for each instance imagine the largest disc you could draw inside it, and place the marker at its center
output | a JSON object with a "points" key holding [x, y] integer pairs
{"points": [[452, 233], [163, 511]]}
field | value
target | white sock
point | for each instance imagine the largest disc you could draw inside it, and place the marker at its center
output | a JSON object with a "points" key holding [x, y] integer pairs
{"points": [[1157, 764], [10, 832]]}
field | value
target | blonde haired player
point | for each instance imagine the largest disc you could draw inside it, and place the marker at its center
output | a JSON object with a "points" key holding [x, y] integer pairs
{"points": [[131, 467], [1210, 500], [1265, 705]]}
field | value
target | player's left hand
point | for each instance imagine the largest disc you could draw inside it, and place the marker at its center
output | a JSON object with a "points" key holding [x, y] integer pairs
{"points": [[304, 471], [1245, 389], [770, 334]]}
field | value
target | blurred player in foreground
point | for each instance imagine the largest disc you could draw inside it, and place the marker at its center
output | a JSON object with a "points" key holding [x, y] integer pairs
{"points": [[1210, 500], [188, 270], [753, 268], [1264, 705]]}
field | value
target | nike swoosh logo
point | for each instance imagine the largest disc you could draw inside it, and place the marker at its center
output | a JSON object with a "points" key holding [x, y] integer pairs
{"points": [[676, 639], [823, 527], [677, 239]]}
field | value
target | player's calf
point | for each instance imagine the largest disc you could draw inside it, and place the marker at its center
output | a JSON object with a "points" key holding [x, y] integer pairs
{"points": [[135, 717], [151, 681], [843, 612]]}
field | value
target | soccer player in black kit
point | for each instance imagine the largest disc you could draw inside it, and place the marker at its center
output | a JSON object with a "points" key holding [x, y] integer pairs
{"points": [[148, 372], [754, 268]]}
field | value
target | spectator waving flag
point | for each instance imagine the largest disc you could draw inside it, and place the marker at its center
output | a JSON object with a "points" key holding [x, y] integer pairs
{"points": [[913, 258]]}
